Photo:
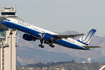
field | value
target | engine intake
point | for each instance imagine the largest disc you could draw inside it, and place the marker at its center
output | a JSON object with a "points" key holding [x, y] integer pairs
{"points": [[29, 37]]}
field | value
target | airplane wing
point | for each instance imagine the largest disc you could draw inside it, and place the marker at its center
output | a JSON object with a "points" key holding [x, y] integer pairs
{"points": [[91, 46], [66, 36]]}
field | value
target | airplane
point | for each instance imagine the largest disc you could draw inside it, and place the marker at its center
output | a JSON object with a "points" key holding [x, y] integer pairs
{"points": [[33, 33]]}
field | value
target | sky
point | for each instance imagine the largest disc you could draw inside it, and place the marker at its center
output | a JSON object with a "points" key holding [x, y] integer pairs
{"points": [[61, 15]]}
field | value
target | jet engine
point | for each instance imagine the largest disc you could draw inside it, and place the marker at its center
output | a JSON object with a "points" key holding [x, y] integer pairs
{"points": [[29, 37]]}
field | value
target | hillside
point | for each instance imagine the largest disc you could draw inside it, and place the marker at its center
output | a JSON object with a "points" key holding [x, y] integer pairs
{"points": [[64, 66]]}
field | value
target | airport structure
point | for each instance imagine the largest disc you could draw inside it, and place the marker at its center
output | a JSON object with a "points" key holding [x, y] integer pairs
{"points": [[8, 40]]}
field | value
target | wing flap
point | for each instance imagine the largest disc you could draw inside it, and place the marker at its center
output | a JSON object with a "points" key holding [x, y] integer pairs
{"points": [[66, 36]]}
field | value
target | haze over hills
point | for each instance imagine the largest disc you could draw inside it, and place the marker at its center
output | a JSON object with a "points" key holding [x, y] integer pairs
{"points": [[30, 52]]}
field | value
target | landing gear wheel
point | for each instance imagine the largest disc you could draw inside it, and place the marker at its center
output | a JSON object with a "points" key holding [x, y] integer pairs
{"points": [[39, 45], [42, 46], [52, 46]]}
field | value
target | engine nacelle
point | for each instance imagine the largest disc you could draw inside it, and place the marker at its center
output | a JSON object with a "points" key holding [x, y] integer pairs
{"points": [[29, 37]]}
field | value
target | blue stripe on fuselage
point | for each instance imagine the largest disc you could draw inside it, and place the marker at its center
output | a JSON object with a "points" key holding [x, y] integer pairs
{"points": [[21, 28], [69, 44], [36, 33]]}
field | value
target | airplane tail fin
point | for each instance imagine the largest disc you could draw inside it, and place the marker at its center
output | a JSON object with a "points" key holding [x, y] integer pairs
{"points": [[85, 39]]}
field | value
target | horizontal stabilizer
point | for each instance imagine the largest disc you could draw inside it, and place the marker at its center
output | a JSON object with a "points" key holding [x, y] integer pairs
{"points": [[91, 46], [66, 36]]}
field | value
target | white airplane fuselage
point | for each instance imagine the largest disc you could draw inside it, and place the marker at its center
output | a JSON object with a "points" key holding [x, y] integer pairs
{"points": [[36, 31]]}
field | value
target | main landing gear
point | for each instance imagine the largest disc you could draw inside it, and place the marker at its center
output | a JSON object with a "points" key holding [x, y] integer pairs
{"points": [[42, 46], [51, 45]]}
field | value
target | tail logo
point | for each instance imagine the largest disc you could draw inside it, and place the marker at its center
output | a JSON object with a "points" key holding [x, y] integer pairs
{"points": [[85, 39]]}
